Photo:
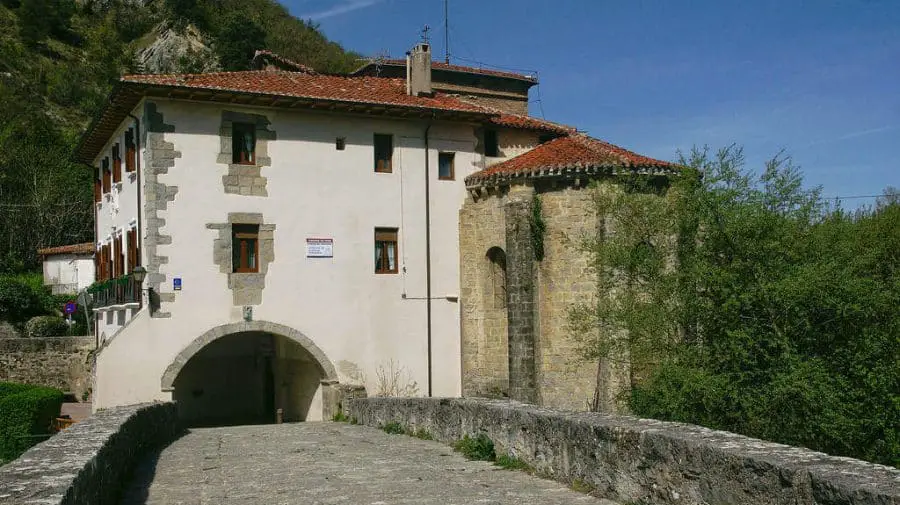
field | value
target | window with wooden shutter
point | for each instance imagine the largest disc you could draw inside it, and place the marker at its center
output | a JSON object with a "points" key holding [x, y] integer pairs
{"points": [[117, 164], [106, 175], [386, 253], [98, 190], [130, 151], [243, 143], [245, 248], [384, 152], [133, 255]]}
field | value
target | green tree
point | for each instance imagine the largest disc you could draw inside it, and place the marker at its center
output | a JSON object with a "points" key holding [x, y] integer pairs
{"points": [[238, 40], [39, 19], [753, 307]]}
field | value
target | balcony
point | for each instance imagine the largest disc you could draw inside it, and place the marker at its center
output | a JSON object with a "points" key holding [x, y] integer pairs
{"points": [[120, 291]]}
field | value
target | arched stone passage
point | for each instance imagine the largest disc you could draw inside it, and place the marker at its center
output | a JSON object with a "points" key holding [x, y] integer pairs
{"points": [[329, 375], [251, 373]]}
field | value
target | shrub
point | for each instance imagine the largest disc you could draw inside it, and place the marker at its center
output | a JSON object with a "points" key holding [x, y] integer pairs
{"points": [[393, 428], [513, 463], [20, 299], [480, 448], [11, 388], [339, 417], [46, 326], [26, 413]]}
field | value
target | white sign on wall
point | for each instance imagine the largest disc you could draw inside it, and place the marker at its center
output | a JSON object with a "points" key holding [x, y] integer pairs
{"points": [[319, 248]]}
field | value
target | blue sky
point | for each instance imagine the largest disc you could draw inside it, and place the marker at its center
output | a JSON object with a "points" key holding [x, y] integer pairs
{"points": [[818, 78]]}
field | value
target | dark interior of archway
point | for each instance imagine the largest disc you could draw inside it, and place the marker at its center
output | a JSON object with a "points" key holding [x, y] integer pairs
{"points": [[244, 378]]}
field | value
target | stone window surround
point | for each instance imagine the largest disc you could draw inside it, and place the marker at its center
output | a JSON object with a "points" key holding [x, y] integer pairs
{"points": [[246, 287], [245, 179]]}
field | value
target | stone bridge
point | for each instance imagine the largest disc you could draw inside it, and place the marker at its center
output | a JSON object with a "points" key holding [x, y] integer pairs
{"points": [[141, 455]]}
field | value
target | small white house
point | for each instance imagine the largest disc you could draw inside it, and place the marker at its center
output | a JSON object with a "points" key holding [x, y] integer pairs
{"points": [[69, 268]]}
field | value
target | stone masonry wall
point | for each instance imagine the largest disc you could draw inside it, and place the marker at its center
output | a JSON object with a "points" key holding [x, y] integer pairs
{"points": [[482, 225], [565, 379], [633, 460], [520, 295], [547, 358], [160, 156], [90, 462], [64, 363]]}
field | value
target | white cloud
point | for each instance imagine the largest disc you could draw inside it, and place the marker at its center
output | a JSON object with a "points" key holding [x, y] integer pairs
{"points": [[340, 8]]}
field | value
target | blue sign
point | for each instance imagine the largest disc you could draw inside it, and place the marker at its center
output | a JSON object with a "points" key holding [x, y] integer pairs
{"points": [[70, 308], [176, 283]]}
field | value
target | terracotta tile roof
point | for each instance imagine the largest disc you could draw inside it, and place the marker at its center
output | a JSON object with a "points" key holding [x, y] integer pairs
{"points": [[530, 123], [570, 155], [284, 63], [86, 248], [439, 65], [363, 90]]}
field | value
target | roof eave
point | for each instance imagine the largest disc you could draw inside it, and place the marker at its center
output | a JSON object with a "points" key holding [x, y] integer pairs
{"points": [[476, 181], [132, 92]]}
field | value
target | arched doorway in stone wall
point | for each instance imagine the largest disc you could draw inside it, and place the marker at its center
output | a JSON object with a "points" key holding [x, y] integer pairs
{"points": [[243, 373]]}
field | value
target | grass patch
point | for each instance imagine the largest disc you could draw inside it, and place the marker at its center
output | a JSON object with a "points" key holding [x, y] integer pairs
{"points": [[582, 486], [480, 448], [393, 428], [340, 417], [421, 434], [513, 463]]}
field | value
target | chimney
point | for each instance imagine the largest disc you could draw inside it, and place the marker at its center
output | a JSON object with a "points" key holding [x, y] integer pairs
{"points": [[418, 70]]}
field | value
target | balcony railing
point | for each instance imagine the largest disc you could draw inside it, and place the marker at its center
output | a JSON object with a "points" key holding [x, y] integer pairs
{"points": [[115, 292]]}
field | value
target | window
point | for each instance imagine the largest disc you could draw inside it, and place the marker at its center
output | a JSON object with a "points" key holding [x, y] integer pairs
{"points": [[384, 152], [98, 189], [385, 250], [117, 164], [445, 166], [340, 143], [497, 259], [106, 174], [243, 143], [118, 258], [245, 247], [134, 254], [491, 147], [130, 152]]}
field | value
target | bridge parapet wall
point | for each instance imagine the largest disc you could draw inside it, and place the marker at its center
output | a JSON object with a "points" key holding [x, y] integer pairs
{"points": [[635, 460], [90, 462]]}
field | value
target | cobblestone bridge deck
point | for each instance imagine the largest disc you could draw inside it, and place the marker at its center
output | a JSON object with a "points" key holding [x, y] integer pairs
{"points": [[324, 463]]}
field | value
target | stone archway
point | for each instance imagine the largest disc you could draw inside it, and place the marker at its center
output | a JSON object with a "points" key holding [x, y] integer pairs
{"points": [[329, 374], [252, 372]]}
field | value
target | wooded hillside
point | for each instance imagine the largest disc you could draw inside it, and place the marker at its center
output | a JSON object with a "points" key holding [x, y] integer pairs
{"points": [[58, 61]]}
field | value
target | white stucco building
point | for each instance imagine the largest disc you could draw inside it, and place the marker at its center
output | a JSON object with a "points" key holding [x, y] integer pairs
{"points": [[299, 231], [68, 269]]}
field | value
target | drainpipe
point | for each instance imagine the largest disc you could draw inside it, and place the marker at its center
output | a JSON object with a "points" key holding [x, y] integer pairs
{"points": [[428, 252], [137, 168]]}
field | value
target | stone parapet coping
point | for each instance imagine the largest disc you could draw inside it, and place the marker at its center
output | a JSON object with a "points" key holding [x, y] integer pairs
{"points": [[634, 460], [90, 462]]}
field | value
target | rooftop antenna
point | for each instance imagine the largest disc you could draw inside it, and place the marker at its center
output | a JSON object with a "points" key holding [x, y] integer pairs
{"points": [[446, 33], [425, 33]]}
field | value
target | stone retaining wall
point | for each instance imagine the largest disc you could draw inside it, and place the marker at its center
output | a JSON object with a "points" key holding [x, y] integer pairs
{"points": [[90, 462], [635, 460], [60, 362]]}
